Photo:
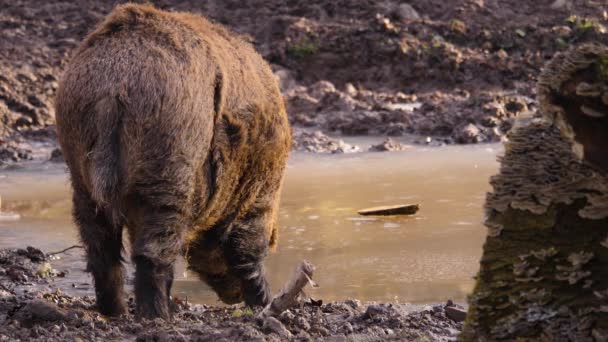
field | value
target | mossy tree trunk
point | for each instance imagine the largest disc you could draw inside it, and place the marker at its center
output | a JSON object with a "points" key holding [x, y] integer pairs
{"points": [[544, 270]]}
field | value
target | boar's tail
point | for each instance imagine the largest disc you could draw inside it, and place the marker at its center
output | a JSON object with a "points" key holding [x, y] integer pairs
{"points": [[104, 155]]}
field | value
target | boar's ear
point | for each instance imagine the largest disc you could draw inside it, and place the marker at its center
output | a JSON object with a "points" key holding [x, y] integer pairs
{"points": [[218, 92]]}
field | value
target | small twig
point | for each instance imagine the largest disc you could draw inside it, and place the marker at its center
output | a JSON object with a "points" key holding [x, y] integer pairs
{"points": [[290, 292], [65, 250]]}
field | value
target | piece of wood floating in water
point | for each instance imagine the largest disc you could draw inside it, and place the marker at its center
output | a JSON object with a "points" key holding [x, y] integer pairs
{"points": [[401, 209], [290, 292]]}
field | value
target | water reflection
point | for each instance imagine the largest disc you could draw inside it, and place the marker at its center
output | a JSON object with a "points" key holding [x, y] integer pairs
{"points": [[427, 257]]}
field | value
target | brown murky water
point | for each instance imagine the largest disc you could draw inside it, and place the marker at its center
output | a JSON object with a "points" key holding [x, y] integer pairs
{"points": [[428, 257]]}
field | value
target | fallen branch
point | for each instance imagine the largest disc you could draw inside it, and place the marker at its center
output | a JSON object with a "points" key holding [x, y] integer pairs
{"points": [[288, 296], [65, 250]]}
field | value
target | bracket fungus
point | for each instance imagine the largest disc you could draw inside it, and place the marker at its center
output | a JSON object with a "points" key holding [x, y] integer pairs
{"points": [[547, 215]]}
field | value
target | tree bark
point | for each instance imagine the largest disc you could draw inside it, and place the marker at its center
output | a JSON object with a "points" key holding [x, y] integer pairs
{"points": [[544, 270]]}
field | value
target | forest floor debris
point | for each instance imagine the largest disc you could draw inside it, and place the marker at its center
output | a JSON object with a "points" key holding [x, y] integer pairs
{"points": [[33, 307]]}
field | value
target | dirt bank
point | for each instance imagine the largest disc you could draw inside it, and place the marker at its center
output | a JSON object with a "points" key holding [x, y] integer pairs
{"points": [[32, 307], [457, 71]]}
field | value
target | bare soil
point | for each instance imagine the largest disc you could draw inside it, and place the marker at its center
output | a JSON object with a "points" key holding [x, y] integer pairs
{"points": [[455, 71]]}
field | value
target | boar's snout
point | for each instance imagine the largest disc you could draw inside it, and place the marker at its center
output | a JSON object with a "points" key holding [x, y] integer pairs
{"points": [[227, 287]]}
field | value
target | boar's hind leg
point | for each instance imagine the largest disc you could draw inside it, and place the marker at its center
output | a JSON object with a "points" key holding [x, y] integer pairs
{"points": [[103, 245], [154, 254], [245, 250]]}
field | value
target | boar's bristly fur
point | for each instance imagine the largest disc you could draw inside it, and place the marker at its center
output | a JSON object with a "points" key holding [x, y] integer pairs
{"points": [[174, 128]]}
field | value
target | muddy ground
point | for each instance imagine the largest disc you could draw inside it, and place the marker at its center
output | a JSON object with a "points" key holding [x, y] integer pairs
{"points": [[33, 307], [445, 71]]}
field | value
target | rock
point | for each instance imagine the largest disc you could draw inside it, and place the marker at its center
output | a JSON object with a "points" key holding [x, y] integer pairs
{"points": [[301, 103], [286, 79], [407, 12], [272, 324], [8, 155], [317, 329], [36, 101], [34, 254], [375, 310], [558, 4], [38, 311], [321, 88], [387, 145], [350, 90], [353, 303], [23, 121], [469, 134], [455, 313], [44, 270], [57, 156], [318, 142], [302, 323], [401, 209], [5, 294], [341, 102], [404, 11], [354, 122]]}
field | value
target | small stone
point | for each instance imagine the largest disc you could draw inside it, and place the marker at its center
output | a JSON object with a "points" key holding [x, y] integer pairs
{"points": [[286, 79], [350, 89], [502, 54], [301, 104], [407, 12], [469, 134], [321, 88], [57, 156], [356, 304], [40, 311], [5, 294], [302, 323], [23, 121], [375, 310], [44, 270], [388, 145], [317, 329], [36, 101], [557, 4]]}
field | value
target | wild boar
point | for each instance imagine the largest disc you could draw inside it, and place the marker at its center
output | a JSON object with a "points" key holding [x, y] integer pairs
{"points": [[173, 127]]}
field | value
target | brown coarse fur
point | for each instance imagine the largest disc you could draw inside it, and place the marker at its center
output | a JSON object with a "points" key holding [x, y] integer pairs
{"points": [[174, 128]]}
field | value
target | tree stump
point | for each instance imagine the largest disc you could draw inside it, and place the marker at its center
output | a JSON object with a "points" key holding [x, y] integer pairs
{"points": [[544, 270]]}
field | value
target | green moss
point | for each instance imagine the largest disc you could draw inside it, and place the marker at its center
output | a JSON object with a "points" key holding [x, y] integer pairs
{"points": [[242, 312], [301, 50], [458, 26], [583, 24], [525, 220], [602, 68]]}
